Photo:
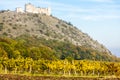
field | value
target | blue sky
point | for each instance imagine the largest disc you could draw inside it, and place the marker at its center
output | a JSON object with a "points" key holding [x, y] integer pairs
{"points": [[98, 18]]}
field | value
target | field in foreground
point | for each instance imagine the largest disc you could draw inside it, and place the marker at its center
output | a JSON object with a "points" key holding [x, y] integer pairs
{"points": [[23, 77]]}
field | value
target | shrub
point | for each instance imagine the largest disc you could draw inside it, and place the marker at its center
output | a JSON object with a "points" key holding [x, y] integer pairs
{"points": [[57, 26], [14, 27], [1, 26], [5, 34]]}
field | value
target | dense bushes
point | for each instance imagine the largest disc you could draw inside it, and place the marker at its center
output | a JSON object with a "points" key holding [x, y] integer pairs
{"points": [[35, 48]]}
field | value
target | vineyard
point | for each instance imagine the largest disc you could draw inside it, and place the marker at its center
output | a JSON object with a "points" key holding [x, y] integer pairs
{"points": [[59, 67]]}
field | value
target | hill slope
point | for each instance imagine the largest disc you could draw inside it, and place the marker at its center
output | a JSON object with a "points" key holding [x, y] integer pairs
{"points": [[15, 25]]}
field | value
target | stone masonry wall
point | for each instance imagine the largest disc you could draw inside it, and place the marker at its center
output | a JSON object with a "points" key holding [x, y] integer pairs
{"points": [[19, 10], [29, 8]]}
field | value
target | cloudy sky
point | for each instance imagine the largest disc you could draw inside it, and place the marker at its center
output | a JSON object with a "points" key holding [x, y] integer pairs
{"points": [[98, 18]]}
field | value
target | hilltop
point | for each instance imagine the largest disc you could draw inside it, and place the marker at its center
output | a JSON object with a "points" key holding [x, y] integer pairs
{"points": [[64, 39]]}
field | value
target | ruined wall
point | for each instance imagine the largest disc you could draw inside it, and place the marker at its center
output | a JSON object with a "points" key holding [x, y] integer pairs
{"points": [[32, 9], [29, 8], [19, 9]]}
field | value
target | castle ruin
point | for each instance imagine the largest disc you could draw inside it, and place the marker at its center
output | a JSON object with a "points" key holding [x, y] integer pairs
{"points": [[29, 8]]}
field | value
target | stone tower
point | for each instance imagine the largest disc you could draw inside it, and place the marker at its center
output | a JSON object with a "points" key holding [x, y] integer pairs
{"points": [[29, 8]]}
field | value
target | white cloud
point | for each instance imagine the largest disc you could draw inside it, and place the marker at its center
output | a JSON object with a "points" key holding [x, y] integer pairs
{"points": [[107, 1], [74, 10], [102, 0], [93, 17], [100, 17], [51, 3]]}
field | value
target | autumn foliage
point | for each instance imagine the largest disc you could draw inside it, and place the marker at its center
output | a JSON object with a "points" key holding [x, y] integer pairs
{"points": [[53, 57]]}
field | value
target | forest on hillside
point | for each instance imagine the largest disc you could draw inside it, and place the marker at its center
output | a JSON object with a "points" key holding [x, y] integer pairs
{"points": [[51, 57], [40, 48]]}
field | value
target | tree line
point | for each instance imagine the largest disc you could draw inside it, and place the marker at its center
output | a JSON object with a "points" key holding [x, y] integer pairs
{"points": [[37, 48]]}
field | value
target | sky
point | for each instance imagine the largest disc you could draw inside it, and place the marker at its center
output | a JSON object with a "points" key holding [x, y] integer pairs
{"points": [[98, 18]]}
